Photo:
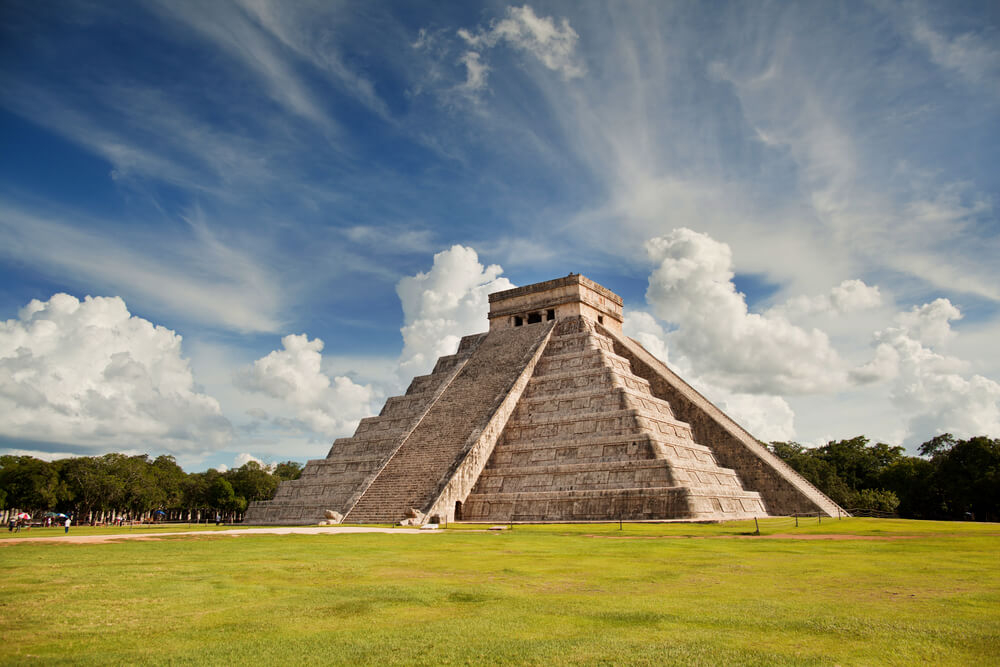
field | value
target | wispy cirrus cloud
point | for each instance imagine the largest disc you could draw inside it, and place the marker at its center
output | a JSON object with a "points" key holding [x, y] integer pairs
{"points": [[203, 280], [232, 30]]}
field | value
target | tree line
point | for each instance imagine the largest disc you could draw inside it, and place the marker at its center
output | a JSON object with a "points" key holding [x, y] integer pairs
{"points": [[950, 479], [103, 489]]}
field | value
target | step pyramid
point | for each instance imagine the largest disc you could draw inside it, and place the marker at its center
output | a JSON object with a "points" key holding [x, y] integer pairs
{"points": [[552, 415]]}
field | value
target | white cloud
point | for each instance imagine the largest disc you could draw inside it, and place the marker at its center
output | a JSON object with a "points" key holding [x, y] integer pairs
{"points": [[554, 46], [476, 72], [692, 287], [243, 458], [934, 392], [231, 29], [196, 278], [848, 297], [767, 417], [92, 375], [644, 328], [313, 401], [444, 304], [308, 35], [930, 324], [975, 57]]}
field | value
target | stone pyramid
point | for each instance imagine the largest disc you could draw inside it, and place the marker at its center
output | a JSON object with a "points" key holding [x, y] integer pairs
{"points": [[552, 415]]}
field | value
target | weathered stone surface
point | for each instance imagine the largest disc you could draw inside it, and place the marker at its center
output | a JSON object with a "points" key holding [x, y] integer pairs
{"points": [[427, 460], [553, 415], [339, 480]]}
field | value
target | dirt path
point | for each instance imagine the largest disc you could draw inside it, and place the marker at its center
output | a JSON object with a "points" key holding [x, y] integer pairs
{"points": [[236, 532]]}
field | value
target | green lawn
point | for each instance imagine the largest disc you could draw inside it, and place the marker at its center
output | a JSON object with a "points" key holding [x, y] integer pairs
{"points": [[534, 594]]}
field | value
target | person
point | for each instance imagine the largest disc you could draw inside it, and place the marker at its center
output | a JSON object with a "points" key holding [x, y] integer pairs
{"points": [[218, 518], [10, 524], [68, 521]]}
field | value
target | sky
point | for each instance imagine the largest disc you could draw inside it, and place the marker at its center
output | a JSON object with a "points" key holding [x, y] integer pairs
{"points": [[230, 230]]}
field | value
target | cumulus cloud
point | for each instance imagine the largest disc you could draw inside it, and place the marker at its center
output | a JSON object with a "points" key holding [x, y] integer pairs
{"points": [[933, 391], [91, 374], [314, 401], [848, 297], [930, 323], [768, 418], [244, 458], [553, 45], [644, 328], [692, 287], [444, 304]]}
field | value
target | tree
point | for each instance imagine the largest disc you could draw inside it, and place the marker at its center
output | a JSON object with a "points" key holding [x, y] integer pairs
{"points": [[30, 483], [170, 478], [912, 480], [967, 475], [252, 482], [221, 495], [878, 500], [89, 482], [849, 472], [288, 470]]}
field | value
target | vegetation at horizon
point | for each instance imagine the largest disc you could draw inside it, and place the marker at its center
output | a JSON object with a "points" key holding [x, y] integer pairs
{"points": [[541, 594], [951, 479], [134, 487]]}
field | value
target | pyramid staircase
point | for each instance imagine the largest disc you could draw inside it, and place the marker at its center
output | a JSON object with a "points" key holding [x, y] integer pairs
{"points": [[437, 445], [588, 441]]}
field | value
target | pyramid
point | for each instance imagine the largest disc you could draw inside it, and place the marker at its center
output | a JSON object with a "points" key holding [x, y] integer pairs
{"points": [[551, 415]]}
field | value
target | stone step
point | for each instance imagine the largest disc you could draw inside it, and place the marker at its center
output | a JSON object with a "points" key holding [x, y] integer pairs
{"points": [[637, 503], [513, 444], [604, 475], [364, 448], [551, 425], [577, 341], [406, 406], [422, 462], [559, 383], [591, 350], [593, 400], [446, 363], [577, 360], [468, 344]]}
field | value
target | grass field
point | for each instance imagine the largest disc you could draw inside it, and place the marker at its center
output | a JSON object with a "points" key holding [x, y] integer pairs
{"points": [[590, 594]]}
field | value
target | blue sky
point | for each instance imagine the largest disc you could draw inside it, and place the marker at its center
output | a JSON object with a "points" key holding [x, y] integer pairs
{"points": [[283, 211]]}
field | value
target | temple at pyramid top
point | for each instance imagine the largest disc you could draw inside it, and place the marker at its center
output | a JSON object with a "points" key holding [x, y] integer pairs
{"points": [[553, 414], [572, 296]]}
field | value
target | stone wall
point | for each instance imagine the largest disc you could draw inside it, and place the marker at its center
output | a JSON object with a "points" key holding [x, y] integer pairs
{"points": [[782, 489], [588, 441], [421, 466], [338, 481]]}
